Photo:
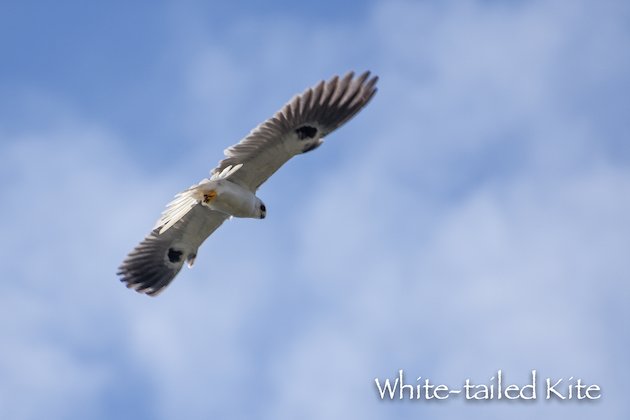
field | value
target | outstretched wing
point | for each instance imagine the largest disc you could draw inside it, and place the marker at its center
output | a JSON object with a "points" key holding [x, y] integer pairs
{"points": [[153, 264], [297, 128]]}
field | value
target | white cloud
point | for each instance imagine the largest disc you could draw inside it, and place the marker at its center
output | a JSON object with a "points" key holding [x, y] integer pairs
{"points": [[489, 264], [469, 220], [77, 205]]}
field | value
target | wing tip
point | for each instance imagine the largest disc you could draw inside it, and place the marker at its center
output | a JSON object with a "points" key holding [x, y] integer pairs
{"points": [[332, 102], [142, 288], [144, 276]]}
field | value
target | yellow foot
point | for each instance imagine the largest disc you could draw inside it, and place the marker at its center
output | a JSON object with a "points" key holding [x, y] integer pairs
{"points": [[209, 196]]}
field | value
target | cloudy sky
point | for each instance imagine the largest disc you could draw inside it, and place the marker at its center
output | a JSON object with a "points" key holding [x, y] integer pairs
{"points": [[474, 217]]}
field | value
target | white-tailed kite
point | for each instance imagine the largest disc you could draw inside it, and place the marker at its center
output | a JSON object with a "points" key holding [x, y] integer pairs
{"points": [[299, 127]]}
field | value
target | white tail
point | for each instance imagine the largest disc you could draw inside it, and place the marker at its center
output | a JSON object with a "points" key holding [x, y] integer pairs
{"points": [[186, 200], [227, 172]]}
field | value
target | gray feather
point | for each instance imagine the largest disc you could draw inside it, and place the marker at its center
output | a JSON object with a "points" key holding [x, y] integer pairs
{"points": [[325, 107], [298, 127], [148, 268]]}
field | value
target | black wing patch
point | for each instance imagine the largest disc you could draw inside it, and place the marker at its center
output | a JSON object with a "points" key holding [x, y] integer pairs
{"points": [[145, 269], [307, 118], [174, 255], [306, 132]]}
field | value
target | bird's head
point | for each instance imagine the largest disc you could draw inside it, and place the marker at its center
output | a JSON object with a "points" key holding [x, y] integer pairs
{"points": [[261, 209]]}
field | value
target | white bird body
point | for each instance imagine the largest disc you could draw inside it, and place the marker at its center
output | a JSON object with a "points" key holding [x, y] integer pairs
{"points": [[196, 212], [232, 199]]}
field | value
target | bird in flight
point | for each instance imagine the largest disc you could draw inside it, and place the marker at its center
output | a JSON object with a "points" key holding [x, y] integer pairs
{"points": [[299, 127]]}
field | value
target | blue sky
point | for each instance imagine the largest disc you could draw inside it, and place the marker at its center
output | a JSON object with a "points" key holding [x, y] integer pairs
{"points": [[473, 218]]}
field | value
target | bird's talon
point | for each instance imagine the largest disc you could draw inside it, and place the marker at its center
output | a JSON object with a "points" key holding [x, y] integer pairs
{"points": [[209, 196]]}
